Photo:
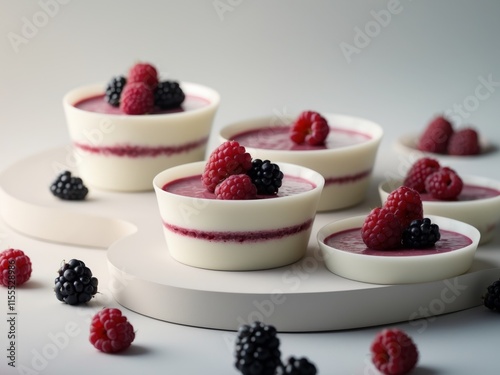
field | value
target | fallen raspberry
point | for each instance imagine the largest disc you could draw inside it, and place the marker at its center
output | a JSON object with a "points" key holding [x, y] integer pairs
{"points": [[445, 184], [381, 230], [419, 171], [310, 127], [464, 142], [394, 352], [228, 159], [406, 204], [136, 99], [110, 331], [238, 186], [15, 268], [145, 73], [436, 136]]}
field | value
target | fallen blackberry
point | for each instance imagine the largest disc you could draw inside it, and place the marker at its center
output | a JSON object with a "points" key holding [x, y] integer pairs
{"points": [[492, 297], [168, 94], [114, 90], [75, 284], [68, 187], [257, 349], [266, 176], [421, 234], [297, 366]]}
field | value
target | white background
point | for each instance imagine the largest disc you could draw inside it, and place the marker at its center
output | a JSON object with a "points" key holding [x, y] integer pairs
{"points": [[398, 63]]}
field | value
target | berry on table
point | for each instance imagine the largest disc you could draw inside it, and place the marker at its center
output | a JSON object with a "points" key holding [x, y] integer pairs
{"points": [[393, 352], [75, 284], [110, 331], [15, 267], [464, 142], [257, 349], [381, 230], [419, 171], [491, 299], [236, 187], [445, 184], [406, 204], [266, 176], [310, 127], [168, 94], [421, 234], [137, 99], [114, 90], [436, 136], [297, 366], [228, 159], [145, 73], [69, 187]]}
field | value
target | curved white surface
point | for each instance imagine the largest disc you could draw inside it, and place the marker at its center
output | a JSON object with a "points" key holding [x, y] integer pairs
{"points": [[304, 296]]}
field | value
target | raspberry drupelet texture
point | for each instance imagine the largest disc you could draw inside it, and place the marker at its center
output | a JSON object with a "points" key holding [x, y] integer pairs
{"points": [[145, 73], [114, 90], [168, 94], [406, 204], [228, 159], [436, 136], [310, 127], [15, 268], [266, 176], [75, 284], [136, 99], [445, 184], [421, 234], [394, 352], [297, 366], [464, 142], [492, 297], [419, 171], [236, 187], [110, 331], [69, 187], [257, 349], [381, 230]]}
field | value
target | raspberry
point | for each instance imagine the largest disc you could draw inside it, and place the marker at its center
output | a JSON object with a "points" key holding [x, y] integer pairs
{"points": [[419, 171], [464, 142], [15, 268], [406, 204], [75, 284], [310, 127], [228, 159], [110, 331], [381, 230], [436, 136], [492, 297], [421, 234], [445, 184], [257, 349], [238, 186], [297, 366], [145, 73], [168, 94], [136, 99], [394, 352], [266, 176], [114, 90], [69, 187]]}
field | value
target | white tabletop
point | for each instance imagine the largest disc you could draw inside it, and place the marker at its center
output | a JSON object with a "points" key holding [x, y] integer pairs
{"points": [[395, 62]]}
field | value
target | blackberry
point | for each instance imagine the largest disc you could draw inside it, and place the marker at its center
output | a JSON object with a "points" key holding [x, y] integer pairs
{"points": [[297, 366], [266, 176], [75, 284], [114, 90], [257, 349], [492, 297], [168, 94], [421, 234], [68, 187]]}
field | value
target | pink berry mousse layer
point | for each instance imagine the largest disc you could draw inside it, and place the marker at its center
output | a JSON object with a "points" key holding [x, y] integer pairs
{"points": [[350, 240]]}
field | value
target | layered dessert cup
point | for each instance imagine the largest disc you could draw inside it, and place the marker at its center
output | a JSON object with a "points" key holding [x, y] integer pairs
{"points": [[121, 152], [346, 255], [478, 204], [236, 235], [345, 160]]}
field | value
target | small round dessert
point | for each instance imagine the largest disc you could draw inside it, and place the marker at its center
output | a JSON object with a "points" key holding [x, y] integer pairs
{"points": [[345, 160], [346, 255], [478, 204], [237, 235], [120, 152]]}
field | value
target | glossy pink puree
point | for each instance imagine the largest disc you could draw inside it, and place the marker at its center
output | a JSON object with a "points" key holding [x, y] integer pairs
{"points": [[350, 240], [468, 193]]}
